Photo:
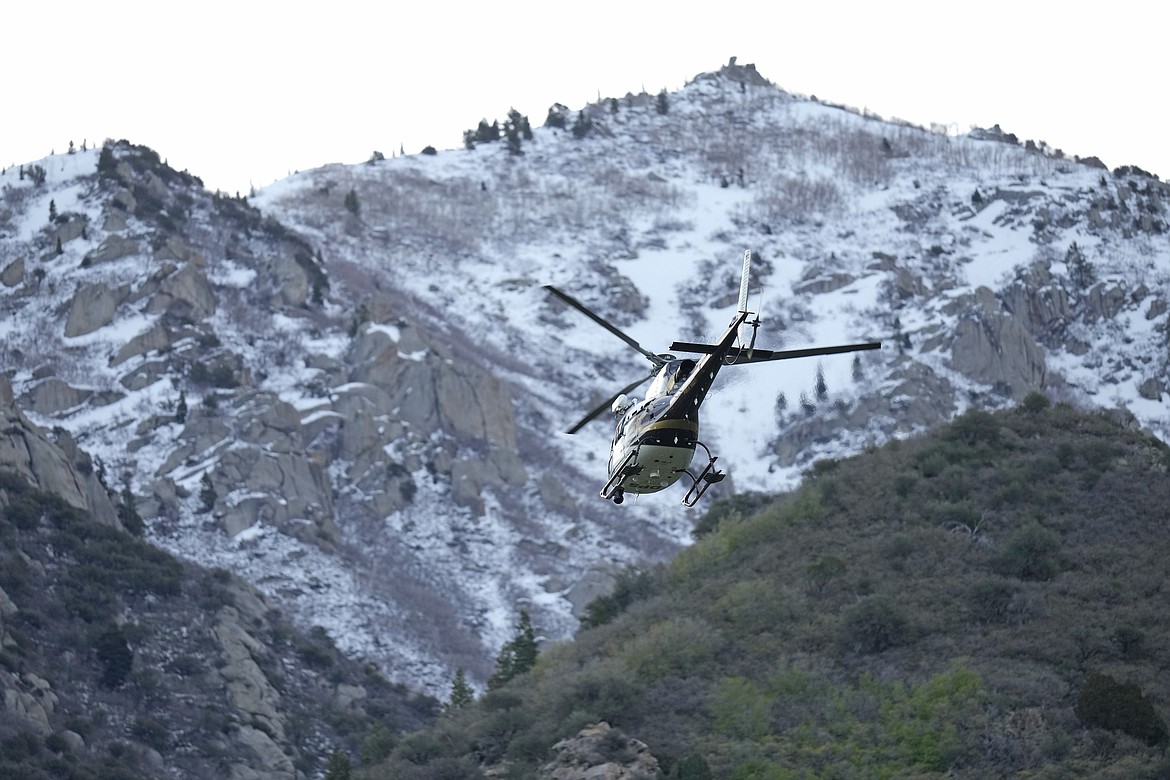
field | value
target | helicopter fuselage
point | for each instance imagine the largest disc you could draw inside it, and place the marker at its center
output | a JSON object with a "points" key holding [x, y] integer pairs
{"points": [[655, 439]]}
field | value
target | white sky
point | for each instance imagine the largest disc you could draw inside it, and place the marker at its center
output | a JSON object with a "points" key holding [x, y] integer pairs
{"points": [[245, 93]]}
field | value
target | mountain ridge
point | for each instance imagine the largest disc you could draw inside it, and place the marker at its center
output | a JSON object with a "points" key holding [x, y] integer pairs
{"points": [[300, 332]]}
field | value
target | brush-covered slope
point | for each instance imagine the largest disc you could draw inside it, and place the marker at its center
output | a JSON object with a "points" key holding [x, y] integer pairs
{"points": [[118, 660], [984, 601]]}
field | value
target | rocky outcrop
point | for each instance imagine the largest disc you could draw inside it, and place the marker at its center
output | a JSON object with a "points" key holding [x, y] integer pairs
{"points": [[275, 488], [600, 752], [54, 465], [113, 248], [27, 698], [421, 386], [260, 469], [185, 294], [52, 395], [995, 348], [1104, 301], [158, 337], [1041, 300], [291, 281], [821, 283], [93, 307], [248, 689]]}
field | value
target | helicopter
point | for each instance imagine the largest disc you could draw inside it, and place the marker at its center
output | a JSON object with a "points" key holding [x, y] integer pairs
{"points": [[655, 439]]}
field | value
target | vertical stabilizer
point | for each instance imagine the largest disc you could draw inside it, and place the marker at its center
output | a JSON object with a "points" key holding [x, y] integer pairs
{"points": [[743, 281]]}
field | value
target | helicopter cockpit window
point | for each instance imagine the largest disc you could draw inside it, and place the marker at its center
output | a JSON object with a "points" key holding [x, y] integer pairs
{"points": [[671, 376]]}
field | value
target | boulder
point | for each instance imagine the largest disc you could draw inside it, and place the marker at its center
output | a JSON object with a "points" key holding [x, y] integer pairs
{"points": [[291, 280], [93, 307], [13, 273], [185, 294], [113, 248], [826, 283], [158, 337], [598, 581], [69, 227], [52, 395], [25, 708], [1152, 389], [175, 249], [600, 752]]}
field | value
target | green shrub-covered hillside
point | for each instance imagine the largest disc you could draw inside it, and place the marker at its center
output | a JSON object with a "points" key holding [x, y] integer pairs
{"points": [[986, 601]]}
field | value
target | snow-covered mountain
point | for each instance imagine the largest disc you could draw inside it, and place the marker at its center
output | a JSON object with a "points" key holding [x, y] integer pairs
{"points": [[349, 388]]}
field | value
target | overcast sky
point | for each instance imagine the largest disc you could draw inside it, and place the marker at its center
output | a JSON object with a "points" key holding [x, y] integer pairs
{"points": [[243, 93]]}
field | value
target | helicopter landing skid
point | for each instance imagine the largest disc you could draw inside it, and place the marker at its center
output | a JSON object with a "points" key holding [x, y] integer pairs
{"points": [[707, 477], [613, 486]]}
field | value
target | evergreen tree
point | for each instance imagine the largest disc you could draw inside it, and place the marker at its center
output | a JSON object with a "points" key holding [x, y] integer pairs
{"points": [[351, 202], [524, 650], [663, 102], [1080, 270], [128, 513], [461, 693], [512, 138], [52, 211], [781, 407], [518, 656], [857, 372], [181, 408], [106, 163], [115, 655], [339, 766], [822, 389], [581, 126], [693, 767], [207, 494]]}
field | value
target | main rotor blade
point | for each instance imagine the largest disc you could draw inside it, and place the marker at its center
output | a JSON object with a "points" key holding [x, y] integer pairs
{"points": [[763, 355], [576, 304], [605, 405]]}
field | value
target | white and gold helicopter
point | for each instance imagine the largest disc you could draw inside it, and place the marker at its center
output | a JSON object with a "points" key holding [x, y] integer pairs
{"points": [[655, 438]]}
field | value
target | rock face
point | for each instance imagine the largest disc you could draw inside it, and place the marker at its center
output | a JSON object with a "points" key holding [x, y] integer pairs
{"points": [[419, 384], [993, 347], [55, 465], [600, 752]]}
